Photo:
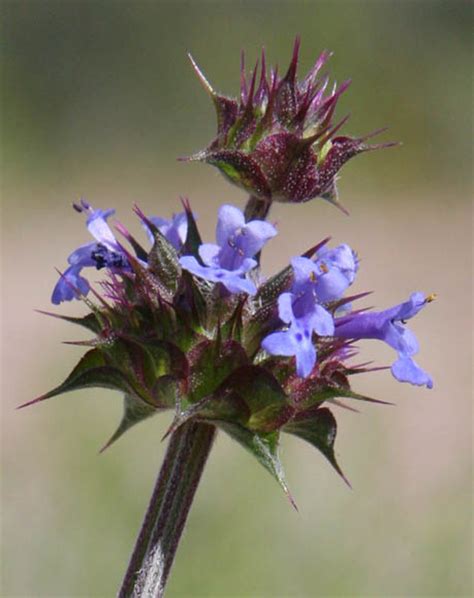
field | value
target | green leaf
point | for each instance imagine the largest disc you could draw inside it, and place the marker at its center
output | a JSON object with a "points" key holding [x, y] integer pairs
{"points": [[89, 321], [92, 371], [240, 169], [233, 327], [264, 447], [163, 261], [318, 427], [265, 309], [155, 366], [190, 303], [193, 238], [211, 363], [311, 393], [225, 406], [168, 358], [131, 358], [270, 290], [134, 411], [266, 401], [166, 391]]}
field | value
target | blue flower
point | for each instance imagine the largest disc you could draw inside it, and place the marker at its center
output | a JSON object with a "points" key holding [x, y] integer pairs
{"points": [[231, 259], [339, 267], [175, 230], [297, 339], [314, 282], [104, 253], [388, 326], [328, 276]]}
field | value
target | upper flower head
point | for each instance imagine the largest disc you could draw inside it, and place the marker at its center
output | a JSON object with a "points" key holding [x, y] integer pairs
{"points": [[389, 326], [277, 141], [230, 259]]}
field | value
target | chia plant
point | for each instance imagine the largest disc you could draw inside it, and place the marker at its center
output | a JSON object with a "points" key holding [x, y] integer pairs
{"points": [[179, 324]]}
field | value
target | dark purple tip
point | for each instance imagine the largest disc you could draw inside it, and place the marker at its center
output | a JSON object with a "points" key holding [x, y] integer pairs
{"points": [[291, 73], [310, 252], [251, 90], [243, 81]]}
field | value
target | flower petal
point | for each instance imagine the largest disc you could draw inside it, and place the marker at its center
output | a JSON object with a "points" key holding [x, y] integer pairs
{"points": [[305, 358], [208, 253], [321, 321], [285, 307], [82, 256], [280, 343], [406, 370], [100, 230], [232, 280], [65, 289], [229, 220], [254, 236], [401, 339]]}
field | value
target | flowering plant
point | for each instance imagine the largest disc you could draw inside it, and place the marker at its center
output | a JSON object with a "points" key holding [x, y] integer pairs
{"points": [[195, 327]]}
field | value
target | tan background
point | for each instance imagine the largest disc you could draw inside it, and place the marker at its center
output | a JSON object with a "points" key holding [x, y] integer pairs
{"points": [[98, 99]]}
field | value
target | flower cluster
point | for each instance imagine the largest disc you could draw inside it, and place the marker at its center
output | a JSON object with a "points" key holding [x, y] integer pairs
{"points": [[278, 141], [194, 327]]}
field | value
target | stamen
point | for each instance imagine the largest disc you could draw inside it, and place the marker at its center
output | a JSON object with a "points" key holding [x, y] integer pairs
{"points": [[430, 298], [324, 269]]}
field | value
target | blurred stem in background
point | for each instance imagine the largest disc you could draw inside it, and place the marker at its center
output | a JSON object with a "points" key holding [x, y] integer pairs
{"points": [[158, 540]]}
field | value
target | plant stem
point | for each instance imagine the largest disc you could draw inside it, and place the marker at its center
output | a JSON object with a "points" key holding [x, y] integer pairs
{"points": [[256, 208], [164, 521]]}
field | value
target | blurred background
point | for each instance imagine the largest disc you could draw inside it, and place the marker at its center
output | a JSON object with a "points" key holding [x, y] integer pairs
{"points": [[98, 100]]}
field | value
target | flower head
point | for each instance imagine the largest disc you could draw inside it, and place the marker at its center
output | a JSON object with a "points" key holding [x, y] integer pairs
{"points": [[166, 340], [278, 141], [228, 261], [389, 327]]}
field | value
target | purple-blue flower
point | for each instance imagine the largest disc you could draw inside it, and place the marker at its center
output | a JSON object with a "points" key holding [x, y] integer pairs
{"points": [[388, 326], [230, 259], [339, 267], [104, 253], [314, 282], [297, 339], [328, 276], [175, 229]]}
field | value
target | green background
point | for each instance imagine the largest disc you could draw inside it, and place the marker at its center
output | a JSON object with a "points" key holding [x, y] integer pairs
{"points": [[98, 100]]}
